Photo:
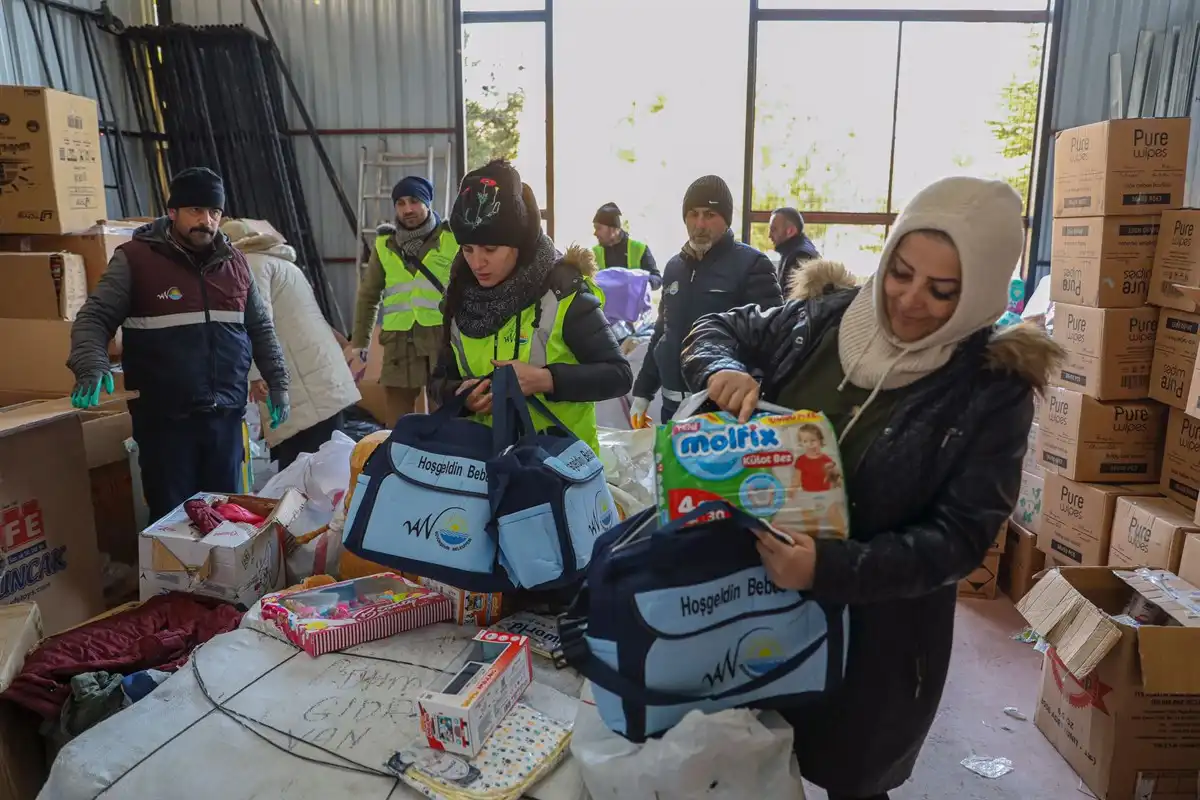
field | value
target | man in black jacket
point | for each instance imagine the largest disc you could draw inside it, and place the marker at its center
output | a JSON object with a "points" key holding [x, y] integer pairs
{"points": [[712, 273], [794, 248], [615, 248]]}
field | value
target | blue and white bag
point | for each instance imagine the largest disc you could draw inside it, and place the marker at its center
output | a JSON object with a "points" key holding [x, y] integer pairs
{"points": [[684, 617]]}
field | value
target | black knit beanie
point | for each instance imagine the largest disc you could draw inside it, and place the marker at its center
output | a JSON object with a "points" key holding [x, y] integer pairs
{"points": [[197, 187], [709, 192], [609, 215], [491, 208], [413, 186]]}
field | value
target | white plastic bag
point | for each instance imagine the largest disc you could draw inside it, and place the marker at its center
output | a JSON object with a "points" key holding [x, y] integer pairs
{"points": [[730, 755], [628, 459], [323, 477]]}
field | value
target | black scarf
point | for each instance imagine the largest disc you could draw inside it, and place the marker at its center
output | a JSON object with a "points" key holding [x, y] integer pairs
{"points": [[411, 241], [485, 310]]}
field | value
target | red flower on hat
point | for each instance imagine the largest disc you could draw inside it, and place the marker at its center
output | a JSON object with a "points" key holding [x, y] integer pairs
{"points": [[487, 181]]}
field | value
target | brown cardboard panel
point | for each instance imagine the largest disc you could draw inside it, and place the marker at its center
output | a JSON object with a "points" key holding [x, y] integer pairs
{"points": [[1189, 560], [1020, 563], [34, 357], [981, 583], [1180, 479], [22, 756], [1077, 518], [104, 435], [1079, 630], [1120, 167], [1087, 440], [53, 178], [1175, 348], [1176, 261], [95, 245], [1103, 262], [1109, 350], [1149, 532], [41, 285]]}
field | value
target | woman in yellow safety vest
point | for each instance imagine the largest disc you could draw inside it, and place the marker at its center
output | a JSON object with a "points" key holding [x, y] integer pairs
{"points": [[513, 299]]}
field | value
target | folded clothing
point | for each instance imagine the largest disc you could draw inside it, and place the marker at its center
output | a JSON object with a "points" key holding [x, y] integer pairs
{"points": [[160, 634]]}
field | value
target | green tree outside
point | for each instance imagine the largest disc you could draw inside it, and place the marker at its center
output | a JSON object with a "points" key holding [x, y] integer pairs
{"points": [[492, 121], [1016, 132]]}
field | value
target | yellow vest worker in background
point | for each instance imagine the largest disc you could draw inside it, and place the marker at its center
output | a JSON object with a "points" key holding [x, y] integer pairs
{"points": [[617, 249], [514, 299], [407, 272]]}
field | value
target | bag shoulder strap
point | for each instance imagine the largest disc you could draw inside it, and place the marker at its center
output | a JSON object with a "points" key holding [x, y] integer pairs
{"points": [[415, 263]]}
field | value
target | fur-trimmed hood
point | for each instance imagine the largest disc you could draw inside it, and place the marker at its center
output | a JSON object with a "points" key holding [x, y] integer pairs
{"points": [[581, 258], [1023, 350]]}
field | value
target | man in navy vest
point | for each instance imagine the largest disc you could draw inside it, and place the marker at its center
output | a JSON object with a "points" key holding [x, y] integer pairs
{"points": [[191, 319]]}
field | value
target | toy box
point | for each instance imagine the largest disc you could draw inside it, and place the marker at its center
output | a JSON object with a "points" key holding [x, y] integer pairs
{"points": [[470, 608], [459, 718], [541, 630], [784, 468], [340, 615]]}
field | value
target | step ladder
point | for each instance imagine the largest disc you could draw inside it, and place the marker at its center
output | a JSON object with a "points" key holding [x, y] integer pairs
{"points": [[375, 205]]}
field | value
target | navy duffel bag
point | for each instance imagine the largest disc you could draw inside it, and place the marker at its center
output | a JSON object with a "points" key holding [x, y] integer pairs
{"points": [[683, 617]]}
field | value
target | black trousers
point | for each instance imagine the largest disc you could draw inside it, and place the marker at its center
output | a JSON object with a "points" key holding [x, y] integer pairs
{"points": [[180, 456], [308, 440], [843, 797]]}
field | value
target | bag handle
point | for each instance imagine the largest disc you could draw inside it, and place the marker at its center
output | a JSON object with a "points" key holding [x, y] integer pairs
{"points": [[710, 507], [694, 402], [510, 410], [431, 423]]}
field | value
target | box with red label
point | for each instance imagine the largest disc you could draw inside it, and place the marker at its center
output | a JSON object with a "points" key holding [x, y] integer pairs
{"points": [[335, 616], [1119, 699], [469, 608], [460, 717]]}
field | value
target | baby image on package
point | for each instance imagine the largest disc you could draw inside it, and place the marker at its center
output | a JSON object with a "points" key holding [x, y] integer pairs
{"points": [[781, 467]]}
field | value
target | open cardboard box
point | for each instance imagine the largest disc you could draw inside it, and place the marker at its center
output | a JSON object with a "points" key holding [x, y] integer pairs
{"points": [[1115, 699], [22, 753]]}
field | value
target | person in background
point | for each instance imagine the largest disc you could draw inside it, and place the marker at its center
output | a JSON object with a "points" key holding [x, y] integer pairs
{"points": [[932, 406], [192, 320], [510, 289], [617, 249], [407, 272], [794, 248], [322, 385], [712, 273]]}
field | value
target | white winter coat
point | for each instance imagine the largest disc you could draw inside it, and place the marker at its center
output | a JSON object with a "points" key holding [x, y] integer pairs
{"points": [[322, 384]]}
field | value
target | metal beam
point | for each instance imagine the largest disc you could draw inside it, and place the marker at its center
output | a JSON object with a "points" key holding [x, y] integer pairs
{"points": [[751, 100], [896, 15], [478, 17]]}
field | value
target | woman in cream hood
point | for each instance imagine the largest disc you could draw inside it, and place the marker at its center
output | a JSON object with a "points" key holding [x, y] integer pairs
{"points": [[932, 406], [322, 386]]}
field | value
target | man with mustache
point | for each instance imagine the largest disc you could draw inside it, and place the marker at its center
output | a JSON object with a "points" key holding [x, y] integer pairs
{"points": [[192, 319], [407, 273], [711, 274]]}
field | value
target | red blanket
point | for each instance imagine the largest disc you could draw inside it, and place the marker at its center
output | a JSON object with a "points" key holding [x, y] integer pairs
{"points": [[159, 634]]}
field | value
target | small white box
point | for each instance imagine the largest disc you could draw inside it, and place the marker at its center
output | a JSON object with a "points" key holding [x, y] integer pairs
{"points": [[460, 717], [231, 563]]}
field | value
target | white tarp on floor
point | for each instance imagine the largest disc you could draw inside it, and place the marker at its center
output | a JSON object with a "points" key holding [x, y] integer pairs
{"points": [[296, 727]]}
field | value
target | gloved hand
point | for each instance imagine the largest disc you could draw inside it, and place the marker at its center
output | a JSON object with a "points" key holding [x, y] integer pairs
{"points": [[358, 362], [279, 406], [86, 393], [638, 416]]}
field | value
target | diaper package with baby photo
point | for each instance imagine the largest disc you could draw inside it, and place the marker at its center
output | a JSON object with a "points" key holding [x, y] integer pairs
{"points": [[782, 466]]}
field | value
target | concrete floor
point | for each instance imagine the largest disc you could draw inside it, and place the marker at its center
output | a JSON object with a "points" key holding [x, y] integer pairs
{"points": [[989, 671]]}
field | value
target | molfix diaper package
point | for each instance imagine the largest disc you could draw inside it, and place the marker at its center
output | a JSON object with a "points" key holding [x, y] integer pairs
{"points": [[782, 466]]}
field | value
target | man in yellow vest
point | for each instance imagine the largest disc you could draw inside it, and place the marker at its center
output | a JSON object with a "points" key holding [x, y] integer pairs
{"points": [[616, 249], [407, 273]]}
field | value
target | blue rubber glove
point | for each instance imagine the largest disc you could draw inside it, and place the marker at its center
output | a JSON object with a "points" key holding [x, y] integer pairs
{"points": [[280, 408], [86, 393]]}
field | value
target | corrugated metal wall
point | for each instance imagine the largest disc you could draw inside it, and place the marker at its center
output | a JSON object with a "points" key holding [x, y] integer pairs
{"points": [[22, 64], [367, 64], [1092, 31]]}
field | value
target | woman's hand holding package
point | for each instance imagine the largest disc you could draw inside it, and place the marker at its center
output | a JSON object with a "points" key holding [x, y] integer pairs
{"points": [[479, 401], [789, 566], [735, 392], [533, 380]]}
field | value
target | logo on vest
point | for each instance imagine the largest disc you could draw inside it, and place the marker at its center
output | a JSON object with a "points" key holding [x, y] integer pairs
{"points": [[171, 294], [756, 653], [448, 528]]}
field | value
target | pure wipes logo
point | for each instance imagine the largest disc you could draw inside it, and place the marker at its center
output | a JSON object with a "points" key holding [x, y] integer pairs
{"points": [[448, 528]]}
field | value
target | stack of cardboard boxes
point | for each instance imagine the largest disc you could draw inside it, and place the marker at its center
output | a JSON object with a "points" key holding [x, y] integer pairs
{"points": [[51, 254]]}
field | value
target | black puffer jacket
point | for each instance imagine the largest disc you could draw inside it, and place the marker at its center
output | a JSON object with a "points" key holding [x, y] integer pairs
{"points": [[930, 496], [730, 275], [792, 255]]}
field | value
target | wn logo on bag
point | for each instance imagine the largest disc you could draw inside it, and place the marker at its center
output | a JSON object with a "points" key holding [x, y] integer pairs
{"points": [[449, 528]]}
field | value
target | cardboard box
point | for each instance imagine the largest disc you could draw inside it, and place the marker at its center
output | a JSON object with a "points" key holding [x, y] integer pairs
{"points": [[23, 763], [34, 358], [1028, 511], [470, 608], [1176, 260], [1001, 540], [1117, 702], [95, 245], [1103, 262], [459, 718], [1181, 460], [229, 563], [46, 515], [1149, 532], [981, 583], [1020, 563], [52, 181], [1175, 347], [1109, 350], [1189, 561], [41, 285], [1030, 462], [1077, 518], [1084, 439], [1120, 167]]}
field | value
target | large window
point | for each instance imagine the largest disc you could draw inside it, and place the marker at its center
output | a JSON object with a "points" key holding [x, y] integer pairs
{"points": [[937, 88]]}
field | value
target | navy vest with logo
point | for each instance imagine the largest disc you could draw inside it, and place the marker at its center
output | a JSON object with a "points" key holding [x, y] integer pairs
{"points": [[185, 343]]}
